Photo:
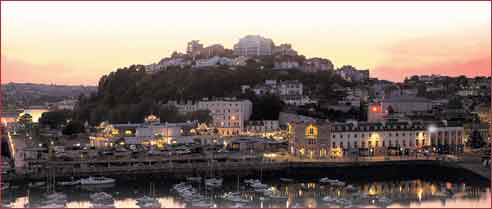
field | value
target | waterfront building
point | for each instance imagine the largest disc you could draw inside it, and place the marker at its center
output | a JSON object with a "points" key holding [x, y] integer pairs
{"points": [[309, 140], [253, 45], [366, 138], [261, 127], [228, 114], [254, 145], [150, 132]]}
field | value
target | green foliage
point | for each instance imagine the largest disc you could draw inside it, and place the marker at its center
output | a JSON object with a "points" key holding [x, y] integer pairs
{"points": [[170, 114], [55, 119], [455, 103], [266, 107], [476, 140], [25, 120], [129, 94], [73, 127]]}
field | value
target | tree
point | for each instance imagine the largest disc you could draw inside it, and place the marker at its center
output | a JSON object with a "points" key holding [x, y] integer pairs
{"points": [[455, 103], [55, 119], [25, 120], [170, 114], [391, 110], [73, 127], [202, 116], [476, 140], [266, 107]]}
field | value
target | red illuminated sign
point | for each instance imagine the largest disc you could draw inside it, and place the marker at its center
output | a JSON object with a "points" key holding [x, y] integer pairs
{"points": [[376, 109]]}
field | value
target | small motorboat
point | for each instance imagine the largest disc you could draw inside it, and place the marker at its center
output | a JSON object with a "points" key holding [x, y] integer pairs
{"points": [[52, 206], [5, 186], [98, 205], [326, 180], [238, 205], [351, 188], [148, 202], [213, 182], [286, 179], [68, 183], [235, 197], [384, 200], [329, 199], [102, 198], [251, 181], [202, 204], [36, 184], [259, 185], [194, 179], [56, 195], [96, 180], [337, 183]]}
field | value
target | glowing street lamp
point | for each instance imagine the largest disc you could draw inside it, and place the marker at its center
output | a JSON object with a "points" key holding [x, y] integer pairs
{"points": [[432, 129]]}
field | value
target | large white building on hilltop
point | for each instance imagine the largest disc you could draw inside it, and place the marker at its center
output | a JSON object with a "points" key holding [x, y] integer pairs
{"points": [[253, 45]]}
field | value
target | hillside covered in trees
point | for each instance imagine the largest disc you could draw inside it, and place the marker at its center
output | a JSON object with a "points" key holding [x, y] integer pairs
{"points": [[129, 94]]}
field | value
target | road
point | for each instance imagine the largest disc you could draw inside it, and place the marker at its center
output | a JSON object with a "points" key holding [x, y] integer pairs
{"points": [[18, 144], [473, 162]]}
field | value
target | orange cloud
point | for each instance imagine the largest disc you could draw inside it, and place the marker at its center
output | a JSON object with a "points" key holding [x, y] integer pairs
{"points": [[14, 70]]}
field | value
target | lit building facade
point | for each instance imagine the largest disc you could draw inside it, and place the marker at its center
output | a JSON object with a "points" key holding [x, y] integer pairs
{"points": [[364, 138], [228, 114], [309, 140]]}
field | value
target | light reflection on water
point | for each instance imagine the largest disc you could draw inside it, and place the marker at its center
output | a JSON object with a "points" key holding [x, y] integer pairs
{"points": [[413, 193]]}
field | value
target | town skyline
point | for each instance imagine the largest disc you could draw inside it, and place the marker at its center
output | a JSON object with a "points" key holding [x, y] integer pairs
{"points": [[387, 47]]}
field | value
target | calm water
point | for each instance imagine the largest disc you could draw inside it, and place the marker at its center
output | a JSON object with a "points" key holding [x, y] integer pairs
{"points": [[300, 193]]}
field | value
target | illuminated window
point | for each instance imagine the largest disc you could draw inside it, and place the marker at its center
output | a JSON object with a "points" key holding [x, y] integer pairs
{"points": [[128, 132], [312, 131], [115, 132]]}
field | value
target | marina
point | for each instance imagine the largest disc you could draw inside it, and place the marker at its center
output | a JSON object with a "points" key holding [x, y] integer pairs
{"points": [[259, 191]]}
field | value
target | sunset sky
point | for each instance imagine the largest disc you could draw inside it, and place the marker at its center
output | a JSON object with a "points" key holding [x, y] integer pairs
{"points": [[78, 42]]}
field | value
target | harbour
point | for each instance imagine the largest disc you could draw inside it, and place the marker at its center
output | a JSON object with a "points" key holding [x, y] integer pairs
{"points": [[371, 186]]}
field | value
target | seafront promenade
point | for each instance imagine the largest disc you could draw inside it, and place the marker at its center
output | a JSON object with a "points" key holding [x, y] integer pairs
{"points": [[219, 165]]}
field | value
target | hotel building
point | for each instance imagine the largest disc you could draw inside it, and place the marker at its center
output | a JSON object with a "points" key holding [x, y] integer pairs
{"points": [[365, 138]]}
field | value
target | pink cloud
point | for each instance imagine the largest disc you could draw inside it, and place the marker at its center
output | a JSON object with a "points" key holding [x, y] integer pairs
{"points": [[456, 55], [480, 66], [14, 70]]}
